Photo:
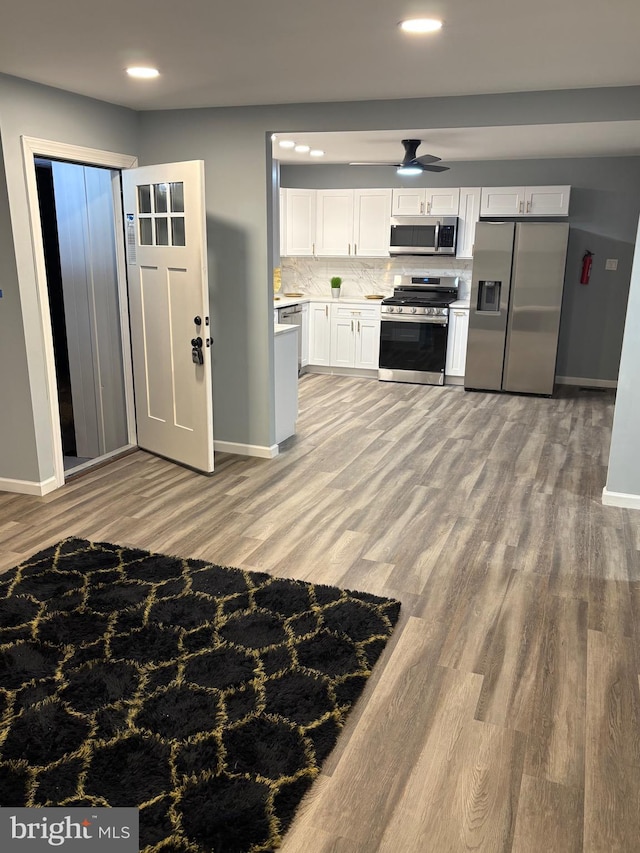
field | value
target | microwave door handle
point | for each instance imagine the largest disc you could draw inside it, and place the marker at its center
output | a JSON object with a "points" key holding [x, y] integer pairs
{"points": [[437, 236]]}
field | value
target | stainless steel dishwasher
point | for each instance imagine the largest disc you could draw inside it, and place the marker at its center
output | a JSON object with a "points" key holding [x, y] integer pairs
{"points": [[292, 316]]}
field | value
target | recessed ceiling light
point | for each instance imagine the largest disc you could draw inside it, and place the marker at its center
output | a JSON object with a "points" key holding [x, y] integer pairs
{"points": [[286, 143], [140, 71], [420, 25], [301, 149], [316, 152]]}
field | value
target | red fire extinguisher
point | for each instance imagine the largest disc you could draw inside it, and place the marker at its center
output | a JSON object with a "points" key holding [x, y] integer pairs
{"points": [[586, 267]]}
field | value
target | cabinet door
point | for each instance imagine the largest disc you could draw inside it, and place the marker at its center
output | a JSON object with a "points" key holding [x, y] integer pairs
{"points": [[283, 222], [334, 222], [547, 201], [371, 214], [502, 201], [300, 222], [408, 202], [342, 342], [367, 344], [468, 215], [319, 333], [442, 201], [457, 341], [304, 332]]}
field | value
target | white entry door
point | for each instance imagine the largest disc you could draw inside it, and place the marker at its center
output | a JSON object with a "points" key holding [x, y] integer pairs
{"points": [[169, 310]]}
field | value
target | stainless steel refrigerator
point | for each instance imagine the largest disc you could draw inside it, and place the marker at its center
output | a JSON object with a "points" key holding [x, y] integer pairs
{"points": [[516, 296]]}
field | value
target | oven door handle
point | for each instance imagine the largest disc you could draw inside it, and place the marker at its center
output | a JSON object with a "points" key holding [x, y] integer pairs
{"points": [[400, 318]]}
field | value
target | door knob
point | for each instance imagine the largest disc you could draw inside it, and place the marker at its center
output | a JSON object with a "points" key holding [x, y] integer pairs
{"points": [[197, 320], [196, 342]]}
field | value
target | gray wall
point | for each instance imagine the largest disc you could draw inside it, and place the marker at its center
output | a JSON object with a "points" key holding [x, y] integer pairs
{"points": [[624, 460], [18, 456], [605, 204], [32, 110]]}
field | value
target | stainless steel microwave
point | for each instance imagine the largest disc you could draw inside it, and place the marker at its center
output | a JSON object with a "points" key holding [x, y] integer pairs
{"points": [[423, 235]]}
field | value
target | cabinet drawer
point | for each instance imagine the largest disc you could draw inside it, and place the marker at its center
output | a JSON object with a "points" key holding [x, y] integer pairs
{"points": [[356, 312]]}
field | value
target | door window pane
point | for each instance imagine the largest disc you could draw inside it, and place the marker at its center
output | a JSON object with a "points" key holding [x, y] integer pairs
{"points": [[177, 231], [146, 232], [160, 193], [144, 199], [176, 190], [162, 231]]}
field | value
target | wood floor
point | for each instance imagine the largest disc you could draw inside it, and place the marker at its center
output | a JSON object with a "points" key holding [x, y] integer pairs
{"points": [[505, 713]]}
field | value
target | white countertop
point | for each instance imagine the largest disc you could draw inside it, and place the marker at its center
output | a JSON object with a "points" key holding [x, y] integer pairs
{"points": [[285, 301], [283, 328], [461, 303]]}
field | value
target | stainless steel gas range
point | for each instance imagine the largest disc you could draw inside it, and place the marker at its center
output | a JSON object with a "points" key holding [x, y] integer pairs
{"points": [[413, 330]]}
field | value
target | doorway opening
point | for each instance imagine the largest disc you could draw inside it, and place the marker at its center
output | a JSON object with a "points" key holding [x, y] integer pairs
{"points": [[76, 205]]}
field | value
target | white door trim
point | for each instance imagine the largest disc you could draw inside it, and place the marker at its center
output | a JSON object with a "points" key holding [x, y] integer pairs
{"points": [[34, 147]]}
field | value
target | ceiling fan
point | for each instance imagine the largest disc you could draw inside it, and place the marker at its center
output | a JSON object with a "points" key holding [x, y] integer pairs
{"points": [[411, 163]]}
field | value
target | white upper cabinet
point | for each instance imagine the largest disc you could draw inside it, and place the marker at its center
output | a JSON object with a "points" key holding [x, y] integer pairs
{"points": [[300, 222], [525, 201], [371, 214], [426, 201], [334, 222], [547, 201], [468, 216]]}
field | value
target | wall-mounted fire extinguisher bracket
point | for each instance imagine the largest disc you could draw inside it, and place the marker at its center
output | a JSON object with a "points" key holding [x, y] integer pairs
{"points": [[587, 263]]}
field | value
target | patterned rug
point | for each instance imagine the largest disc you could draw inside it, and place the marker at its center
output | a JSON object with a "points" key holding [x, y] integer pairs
{"points": [[206, 696]]}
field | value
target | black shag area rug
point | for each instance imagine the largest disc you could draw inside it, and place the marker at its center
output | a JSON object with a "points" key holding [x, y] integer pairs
{"points": [[206, 696]]}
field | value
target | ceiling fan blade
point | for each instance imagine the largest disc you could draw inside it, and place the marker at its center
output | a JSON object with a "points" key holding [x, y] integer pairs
{"points": [[435, 168], [372, 163], [428, 158]]}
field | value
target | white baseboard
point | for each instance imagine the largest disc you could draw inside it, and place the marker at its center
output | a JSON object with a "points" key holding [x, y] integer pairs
{"points": [[620, 499], [28, 487], [261, 451], [586, 383]]}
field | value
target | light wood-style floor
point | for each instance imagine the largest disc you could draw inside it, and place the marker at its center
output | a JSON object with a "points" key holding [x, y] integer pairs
{"points": [[505, 712]]}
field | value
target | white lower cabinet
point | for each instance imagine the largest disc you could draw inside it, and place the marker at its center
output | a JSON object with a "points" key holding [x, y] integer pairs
{"points": [[355, 336], [319, 334], [304, 331], [457, 341], [344, 335]]}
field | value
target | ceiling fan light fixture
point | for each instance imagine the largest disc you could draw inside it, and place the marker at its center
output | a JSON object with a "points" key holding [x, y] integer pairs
{"points": [[409, 169], [143, 72], [286, 143], [301, 149], [316, 152], [420, 25]]}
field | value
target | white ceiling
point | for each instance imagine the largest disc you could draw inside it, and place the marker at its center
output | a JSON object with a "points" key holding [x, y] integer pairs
{"points": [[241, 52]]}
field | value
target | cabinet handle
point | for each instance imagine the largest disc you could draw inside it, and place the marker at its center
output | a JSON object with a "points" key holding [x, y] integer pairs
{"points": [[459, 313], [421, 207], [313, 248], [528, 207], [521, 207], [355, 248], [358, 326], [326, 310], [352, 325], [428, 207], [349, 249]]}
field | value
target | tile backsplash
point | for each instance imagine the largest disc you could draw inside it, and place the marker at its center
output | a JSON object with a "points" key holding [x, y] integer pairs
{"points": [[362, 276]]}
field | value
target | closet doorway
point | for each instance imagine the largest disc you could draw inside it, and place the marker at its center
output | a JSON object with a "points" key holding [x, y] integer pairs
{"points": [[77, 217]]}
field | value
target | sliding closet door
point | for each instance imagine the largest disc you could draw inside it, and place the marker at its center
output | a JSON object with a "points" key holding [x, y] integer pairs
{"points": [[88, 261]]}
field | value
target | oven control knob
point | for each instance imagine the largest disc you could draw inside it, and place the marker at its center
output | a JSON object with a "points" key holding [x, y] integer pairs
{"points": [[413, 310], [399, 309], [389, 308]]}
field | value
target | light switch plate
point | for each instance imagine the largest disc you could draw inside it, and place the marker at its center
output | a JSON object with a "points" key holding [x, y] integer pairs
{"points": [[611, 264]]}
